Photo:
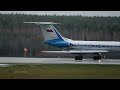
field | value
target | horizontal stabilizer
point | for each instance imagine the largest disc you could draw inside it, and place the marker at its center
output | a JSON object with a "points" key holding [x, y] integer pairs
{"points": [[44, 23]]}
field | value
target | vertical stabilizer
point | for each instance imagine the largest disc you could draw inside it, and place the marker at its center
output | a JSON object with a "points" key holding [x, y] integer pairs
{"points": [[49, 31]]}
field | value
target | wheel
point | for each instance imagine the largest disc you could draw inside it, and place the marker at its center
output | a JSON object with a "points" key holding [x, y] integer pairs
{"points": [[95, 57], [80, 57], [76, 57]]}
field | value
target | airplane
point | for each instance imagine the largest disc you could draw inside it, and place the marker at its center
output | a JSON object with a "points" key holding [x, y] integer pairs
{"points": [[80, 48]]}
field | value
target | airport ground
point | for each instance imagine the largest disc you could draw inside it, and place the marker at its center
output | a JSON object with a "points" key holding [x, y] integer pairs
{"points": [[58, 68], [60, 71]]}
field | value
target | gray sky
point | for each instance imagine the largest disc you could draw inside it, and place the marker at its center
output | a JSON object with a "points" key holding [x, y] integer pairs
{"points": [[83, 13]]}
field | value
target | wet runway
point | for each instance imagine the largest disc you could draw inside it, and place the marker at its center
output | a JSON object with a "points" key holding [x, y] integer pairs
{"points": [[20, 60]]}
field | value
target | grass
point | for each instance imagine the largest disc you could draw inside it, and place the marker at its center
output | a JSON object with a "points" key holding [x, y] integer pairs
{"points": [[60, 71]]}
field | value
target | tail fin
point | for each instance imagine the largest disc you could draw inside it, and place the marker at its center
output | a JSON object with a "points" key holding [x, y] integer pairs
{"points": [[48, 30], [51, 35]]}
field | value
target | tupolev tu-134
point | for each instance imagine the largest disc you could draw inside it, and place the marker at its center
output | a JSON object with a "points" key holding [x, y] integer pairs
{"points": [[80, 48]]}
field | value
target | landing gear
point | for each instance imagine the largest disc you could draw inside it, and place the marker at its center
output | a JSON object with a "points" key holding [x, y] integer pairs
{"points": [[78, 57], [98, 56]]}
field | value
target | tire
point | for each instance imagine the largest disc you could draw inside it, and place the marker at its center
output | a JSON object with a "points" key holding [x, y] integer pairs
{"points": [[76, 58], [95, 57], [80, 57]]}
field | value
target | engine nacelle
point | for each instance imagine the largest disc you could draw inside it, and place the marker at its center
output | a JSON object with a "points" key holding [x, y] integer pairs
{"points": [[62, 44]]}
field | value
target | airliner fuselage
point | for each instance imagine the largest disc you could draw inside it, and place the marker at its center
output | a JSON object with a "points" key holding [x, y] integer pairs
{"points": [[95, 45]]}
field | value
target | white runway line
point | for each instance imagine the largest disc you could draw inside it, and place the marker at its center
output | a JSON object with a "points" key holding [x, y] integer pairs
{"points": [[4, 65]]}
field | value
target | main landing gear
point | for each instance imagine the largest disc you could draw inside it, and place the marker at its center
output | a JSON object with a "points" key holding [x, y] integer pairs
{"points": [[97, 57], [78, 57]]}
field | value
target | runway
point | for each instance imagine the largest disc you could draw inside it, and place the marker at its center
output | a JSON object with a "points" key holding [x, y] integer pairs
{"points": [[19, 60]]}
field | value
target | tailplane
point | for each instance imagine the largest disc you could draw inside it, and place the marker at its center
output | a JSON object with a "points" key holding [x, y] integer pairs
{"points": [[51, 35], [49, 31]]}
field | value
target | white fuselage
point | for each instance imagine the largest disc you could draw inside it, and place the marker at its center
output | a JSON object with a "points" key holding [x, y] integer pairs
{"points": [[95, 45]]}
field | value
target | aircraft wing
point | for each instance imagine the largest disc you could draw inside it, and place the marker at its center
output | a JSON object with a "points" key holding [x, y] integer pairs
{"points": [[78, 52]]}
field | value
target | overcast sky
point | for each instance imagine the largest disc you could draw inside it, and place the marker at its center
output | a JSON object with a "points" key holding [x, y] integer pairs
{"points": [[83, 13]]}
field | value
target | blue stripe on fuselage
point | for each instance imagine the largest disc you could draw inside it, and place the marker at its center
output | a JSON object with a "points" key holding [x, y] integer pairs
{"points": [[57, 43]]}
